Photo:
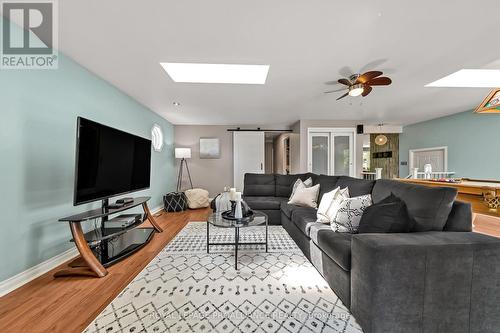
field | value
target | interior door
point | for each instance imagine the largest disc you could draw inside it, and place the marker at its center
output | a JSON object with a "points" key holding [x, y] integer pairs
{"points": [[319, 153], [248, 155], [343, 154], [331, 152]]}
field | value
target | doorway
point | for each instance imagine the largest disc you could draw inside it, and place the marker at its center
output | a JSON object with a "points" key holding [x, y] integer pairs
{"points": [[331, 151]]}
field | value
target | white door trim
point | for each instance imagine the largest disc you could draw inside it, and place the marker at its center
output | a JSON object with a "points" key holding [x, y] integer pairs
{"points": [[332, 131], [443, 148]]}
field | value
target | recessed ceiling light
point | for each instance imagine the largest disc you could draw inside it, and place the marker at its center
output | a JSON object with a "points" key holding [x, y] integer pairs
{"points": [[177, 104], [473, 78], [216, 73]]}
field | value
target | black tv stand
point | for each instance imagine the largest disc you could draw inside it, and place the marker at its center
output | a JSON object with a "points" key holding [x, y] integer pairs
{"points": [[102, 247]]}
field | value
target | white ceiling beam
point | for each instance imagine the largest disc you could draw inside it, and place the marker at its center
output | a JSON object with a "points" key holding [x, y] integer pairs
{"points": [[382, 129]]}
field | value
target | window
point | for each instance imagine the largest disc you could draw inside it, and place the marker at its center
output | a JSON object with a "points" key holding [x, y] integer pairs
{"points": [[157, 138]]}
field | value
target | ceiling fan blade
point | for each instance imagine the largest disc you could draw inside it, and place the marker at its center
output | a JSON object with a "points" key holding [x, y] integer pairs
{"points": [[344, 95], [372, 64], [366, 91], [364, 78], [380, 81], [345, 81], [332, 91], [332, 83]]}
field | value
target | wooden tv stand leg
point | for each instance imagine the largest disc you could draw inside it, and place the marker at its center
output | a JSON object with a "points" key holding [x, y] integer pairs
{"points": [[94, 267], [150, 217]]}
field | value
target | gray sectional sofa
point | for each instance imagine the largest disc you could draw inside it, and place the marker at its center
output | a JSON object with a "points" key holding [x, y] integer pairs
{"points": [[440, 278]]}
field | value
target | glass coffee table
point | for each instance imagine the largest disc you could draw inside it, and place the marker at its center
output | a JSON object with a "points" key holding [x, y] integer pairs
{"points": [[217, 220]]}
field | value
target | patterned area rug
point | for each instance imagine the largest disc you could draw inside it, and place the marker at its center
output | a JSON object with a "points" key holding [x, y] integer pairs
{"points": [[184, 289]]}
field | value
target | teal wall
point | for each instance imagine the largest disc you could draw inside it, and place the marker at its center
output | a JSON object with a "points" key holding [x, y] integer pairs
{"points": [[472, 140], [38, 111]]}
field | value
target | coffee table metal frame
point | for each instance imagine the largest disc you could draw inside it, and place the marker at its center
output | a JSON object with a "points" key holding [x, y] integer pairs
{"points": [[236, 224]]}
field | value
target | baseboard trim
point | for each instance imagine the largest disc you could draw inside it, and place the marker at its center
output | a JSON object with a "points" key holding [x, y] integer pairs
{"points": [[18, 280], [32, 273]]}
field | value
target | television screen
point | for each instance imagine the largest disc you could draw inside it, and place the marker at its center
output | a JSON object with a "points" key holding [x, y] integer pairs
{"points": [[109, 162]]}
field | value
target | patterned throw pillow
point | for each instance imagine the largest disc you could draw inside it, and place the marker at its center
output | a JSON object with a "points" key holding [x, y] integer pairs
{"points": [[330, 203], [350, 212], [307, 183]]}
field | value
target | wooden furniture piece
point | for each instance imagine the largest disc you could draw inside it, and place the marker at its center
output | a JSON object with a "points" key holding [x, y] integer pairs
{"points": [[481, 194], [102, 247]]}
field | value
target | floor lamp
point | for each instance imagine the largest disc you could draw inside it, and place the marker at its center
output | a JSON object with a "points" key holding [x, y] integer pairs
{"points": [[183, 154]]}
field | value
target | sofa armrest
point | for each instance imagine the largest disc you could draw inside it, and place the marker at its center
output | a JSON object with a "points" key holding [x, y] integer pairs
{"points": [[426, 282], [460, 218]]}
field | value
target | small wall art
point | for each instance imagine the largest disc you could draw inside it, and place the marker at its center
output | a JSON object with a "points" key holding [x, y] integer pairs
{"points": [[209, 148]]}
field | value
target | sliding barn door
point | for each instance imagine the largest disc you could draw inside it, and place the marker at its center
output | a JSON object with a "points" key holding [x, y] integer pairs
{"points": [[248, 154]]}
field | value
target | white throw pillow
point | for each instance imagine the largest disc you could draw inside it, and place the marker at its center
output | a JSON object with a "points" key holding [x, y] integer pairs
{"points": [[350, 212], [307, 183], [305, 196], [324, 204], [330, 203]]}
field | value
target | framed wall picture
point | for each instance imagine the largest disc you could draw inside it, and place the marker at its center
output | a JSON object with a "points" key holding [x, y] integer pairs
{"points": [[491, 104], [209, 148]]}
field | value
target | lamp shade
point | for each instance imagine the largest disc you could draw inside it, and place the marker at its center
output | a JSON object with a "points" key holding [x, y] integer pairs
{"points": [[182, 152]]}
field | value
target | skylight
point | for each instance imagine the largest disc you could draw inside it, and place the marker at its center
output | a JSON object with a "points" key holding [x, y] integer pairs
{"points": [[473, 78], [216, 73]]}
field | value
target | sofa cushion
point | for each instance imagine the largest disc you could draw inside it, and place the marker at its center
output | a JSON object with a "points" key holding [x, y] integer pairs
{"points": [[284, 184], [356, 186], [428, 206], [264, 203], [303, 218], [336, 245], [287, 209], [259, 185], [326, 184]]}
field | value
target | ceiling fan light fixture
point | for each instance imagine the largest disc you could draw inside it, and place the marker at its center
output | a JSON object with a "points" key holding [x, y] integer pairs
{"points": [[356, 90]]}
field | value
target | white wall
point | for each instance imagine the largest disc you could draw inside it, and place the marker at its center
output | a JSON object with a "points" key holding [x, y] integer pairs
{"points": [[210, 174]]}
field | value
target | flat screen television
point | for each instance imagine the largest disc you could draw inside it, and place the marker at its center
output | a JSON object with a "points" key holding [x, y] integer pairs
{"points": [[109, 162]]}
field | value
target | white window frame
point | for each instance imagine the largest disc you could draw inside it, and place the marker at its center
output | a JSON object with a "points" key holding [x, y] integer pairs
{"points": [[412, 156]]}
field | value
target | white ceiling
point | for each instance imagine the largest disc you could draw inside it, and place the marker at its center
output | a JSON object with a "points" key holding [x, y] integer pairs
{"points": [[306, 43]]}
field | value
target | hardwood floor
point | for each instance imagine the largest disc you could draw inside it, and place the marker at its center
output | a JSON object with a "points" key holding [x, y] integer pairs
{"points": [[69, 304]]}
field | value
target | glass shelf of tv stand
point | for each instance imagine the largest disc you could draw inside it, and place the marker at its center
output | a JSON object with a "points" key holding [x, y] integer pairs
{"points": [[101, 212], [122, 245], [95, 236]]}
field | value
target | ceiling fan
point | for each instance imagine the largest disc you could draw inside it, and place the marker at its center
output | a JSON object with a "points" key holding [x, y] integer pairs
{"points": [[361, 84]]}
